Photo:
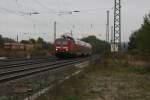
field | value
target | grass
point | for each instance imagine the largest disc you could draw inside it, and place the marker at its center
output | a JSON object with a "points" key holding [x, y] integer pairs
{"points": [[4, 98], [106, 80], [72, 98], [139, 70], [108, 66]]}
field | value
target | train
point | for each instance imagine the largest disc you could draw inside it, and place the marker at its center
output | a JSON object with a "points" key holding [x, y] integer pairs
{"points": [[67, 46]]}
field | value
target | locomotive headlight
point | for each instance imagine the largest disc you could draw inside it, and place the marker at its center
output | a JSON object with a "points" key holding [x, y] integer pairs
{"points": [[56, 49], [66, 49]]}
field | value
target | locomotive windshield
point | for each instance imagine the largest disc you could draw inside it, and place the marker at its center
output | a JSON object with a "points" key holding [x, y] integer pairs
{"points": [[61, 42]]}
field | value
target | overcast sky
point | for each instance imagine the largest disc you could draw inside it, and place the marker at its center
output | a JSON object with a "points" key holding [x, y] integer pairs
{"points": [[91, 20]]}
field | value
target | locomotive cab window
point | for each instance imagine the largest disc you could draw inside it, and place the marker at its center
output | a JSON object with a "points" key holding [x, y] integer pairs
{"points": [[61, 42], [64, 42]]}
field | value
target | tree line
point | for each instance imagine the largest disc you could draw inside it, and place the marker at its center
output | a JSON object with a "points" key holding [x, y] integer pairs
{"points": [[98, 46], [39, 41], [5, 40], [139, 41]]}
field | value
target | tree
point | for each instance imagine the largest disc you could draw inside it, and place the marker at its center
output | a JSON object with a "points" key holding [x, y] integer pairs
{"points": [[33, 41], [5, 40], [25, 42], [1, 41], [8, 40], [40, 40], [132, 43], [140, 39], [143, 36], [98, 46]]}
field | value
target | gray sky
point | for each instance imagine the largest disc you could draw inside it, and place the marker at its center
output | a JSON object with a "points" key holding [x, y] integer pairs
{"points": [[14, 18]]}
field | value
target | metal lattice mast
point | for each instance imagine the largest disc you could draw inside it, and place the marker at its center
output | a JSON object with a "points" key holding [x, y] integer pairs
{"points": [[117, 23], [54, 31], [107, 27]]}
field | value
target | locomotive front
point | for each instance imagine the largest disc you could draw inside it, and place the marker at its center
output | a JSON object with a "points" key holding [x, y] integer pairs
{"points": [[62, 47]]}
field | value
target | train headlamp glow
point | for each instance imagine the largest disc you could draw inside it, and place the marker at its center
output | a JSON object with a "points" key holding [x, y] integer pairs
{"points": [[56, 49], [66, 49]]}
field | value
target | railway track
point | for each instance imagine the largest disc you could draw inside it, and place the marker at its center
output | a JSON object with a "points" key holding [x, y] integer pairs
{"points": [[22, 62], [20, 70]]}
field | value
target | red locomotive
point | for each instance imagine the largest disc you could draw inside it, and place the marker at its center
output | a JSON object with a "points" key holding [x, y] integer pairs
{"points": [[68, 47]]}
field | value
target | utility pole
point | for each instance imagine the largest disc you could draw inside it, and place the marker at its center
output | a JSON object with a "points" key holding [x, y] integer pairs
{"points": [[54, 31], [71, 33], [91, 29], [112, 34], [72, 30], [117, 24], [107, 27], [17, 39]]}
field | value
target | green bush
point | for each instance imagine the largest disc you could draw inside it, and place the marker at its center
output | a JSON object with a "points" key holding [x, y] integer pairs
{"points": [[3, 98], [139, 70], [140, 39], [72, 98]]}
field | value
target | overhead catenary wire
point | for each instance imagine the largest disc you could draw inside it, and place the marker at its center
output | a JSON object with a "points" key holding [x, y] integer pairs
{"points": [[8, 10], [50, 10], [24, 10], [20, 8]]}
